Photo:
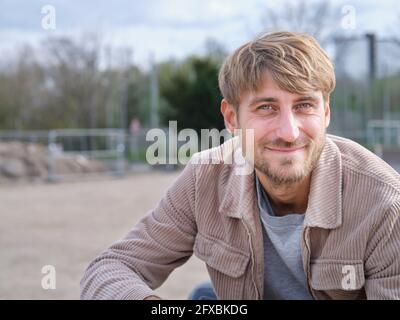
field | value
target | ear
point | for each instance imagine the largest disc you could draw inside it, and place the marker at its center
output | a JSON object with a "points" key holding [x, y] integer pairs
{"points": [[230, 116], [327, 114]]}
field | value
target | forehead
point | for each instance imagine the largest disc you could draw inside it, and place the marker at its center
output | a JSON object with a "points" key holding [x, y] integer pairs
{"points": [[269, 90]]}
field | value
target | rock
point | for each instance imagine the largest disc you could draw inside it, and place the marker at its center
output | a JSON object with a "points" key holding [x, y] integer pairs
{"points": [[28, 160], [13, 168], [90, 166], [13, 149]]}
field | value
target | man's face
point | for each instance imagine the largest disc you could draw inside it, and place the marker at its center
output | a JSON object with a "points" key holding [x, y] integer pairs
{"points": [[289, 130]]}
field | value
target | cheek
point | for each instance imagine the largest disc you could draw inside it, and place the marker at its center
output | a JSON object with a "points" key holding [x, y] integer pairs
{"points": [[262, 127], [255, 124], [260, 130], [313, 126]]}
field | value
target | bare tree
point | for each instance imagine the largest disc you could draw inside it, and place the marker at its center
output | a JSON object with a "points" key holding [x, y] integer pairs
{"points": [[73, 69], [317, 18]]}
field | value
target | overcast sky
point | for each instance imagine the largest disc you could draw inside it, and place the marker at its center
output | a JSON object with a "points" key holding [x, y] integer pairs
{"points": [[168, 28]]}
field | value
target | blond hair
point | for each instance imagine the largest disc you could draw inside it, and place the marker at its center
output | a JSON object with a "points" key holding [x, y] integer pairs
{"points": [[296, 62]]}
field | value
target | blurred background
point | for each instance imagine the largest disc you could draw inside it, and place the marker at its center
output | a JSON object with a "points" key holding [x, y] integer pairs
{"points": [[82, 83]]}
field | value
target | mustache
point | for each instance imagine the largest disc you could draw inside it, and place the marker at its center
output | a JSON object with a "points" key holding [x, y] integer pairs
{"points": [[279, 143]]}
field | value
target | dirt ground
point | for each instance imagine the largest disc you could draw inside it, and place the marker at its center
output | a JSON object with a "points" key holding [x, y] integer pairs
{"points": [[68, 224]]}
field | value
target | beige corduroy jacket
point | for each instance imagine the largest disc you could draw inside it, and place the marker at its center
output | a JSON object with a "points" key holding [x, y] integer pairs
{"points": [[350, 241]]}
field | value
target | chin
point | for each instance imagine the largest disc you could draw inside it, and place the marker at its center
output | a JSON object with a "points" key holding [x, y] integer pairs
{"points": [[288, 172]]}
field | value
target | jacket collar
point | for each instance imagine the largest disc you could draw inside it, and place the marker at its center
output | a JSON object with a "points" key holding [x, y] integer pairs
{"points": [[325, 199]]}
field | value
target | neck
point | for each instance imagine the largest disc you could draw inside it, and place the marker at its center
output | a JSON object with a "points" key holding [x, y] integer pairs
{"points": [[284, 199]]}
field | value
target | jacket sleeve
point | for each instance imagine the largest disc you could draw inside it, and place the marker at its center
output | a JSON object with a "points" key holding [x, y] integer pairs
{"points": [[161, 241], [383, 263]]}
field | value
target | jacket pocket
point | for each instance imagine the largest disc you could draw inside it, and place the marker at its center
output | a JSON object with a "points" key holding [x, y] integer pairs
{"points": [[339, 279], [221, 256]]}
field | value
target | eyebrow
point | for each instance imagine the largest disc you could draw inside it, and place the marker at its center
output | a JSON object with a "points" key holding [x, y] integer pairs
{"points": [[307, 98], [272, 99]]}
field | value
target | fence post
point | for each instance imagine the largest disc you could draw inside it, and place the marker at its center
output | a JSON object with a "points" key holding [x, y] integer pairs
{"points": [[120, 170], [52, 149]]}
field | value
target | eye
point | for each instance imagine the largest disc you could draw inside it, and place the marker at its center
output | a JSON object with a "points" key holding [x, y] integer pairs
{"points": [[303, 106], [265, 107]]}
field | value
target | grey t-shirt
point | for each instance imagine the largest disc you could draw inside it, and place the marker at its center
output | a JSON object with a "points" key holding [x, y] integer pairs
{"points": [[284, 277]]}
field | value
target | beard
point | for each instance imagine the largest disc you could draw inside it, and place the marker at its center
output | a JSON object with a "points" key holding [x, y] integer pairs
{"points": [[287, 170]]}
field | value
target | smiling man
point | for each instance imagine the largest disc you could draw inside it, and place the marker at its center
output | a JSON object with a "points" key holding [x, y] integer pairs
{"points": [[317, 218], [289, 135]]}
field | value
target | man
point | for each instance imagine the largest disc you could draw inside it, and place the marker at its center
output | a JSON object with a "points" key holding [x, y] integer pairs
{"points": [[317, 218]]}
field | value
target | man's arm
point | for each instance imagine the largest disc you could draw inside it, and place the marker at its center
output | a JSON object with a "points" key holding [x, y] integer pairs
{"points": [[383, 263], [162, 241]]}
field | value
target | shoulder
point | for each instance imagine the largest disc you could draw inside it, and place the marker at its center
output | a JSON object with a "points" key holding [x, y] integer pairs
{"points": [[358, 160]]}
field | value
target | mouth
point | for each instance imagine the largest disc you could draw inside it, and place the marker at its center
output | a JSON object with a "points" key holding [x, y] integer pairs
{"points": [[286, 150]]}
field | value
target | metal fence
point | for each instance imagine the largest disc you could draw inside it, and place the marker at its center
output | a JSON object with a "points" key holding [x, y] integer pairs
{"points": [[365, 105], [384, 132], [72, 152]]}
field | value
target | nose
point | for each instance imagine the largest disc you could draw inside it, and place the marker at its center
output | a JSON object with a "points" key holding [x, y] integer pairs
{"points": [[288, 129]]}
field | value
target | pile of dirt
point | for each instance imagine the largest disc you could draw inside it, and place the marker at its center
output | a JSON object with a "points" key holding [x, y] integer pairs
{"points": [[20, 160]]}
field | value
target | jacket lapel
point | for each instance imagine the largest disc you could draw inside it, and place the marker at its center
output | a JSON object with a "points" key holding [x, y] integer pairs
{"points": [[324, 208]]}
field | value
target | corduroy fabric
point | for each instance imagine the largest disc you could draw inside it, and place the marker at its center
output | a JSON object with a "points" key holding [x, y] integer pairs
{"points": [[352, 219]]}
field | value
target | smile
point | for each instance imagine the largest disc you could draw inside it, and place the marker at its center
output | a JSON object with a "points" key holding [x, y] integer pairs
{"points": [[286, 150]]}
